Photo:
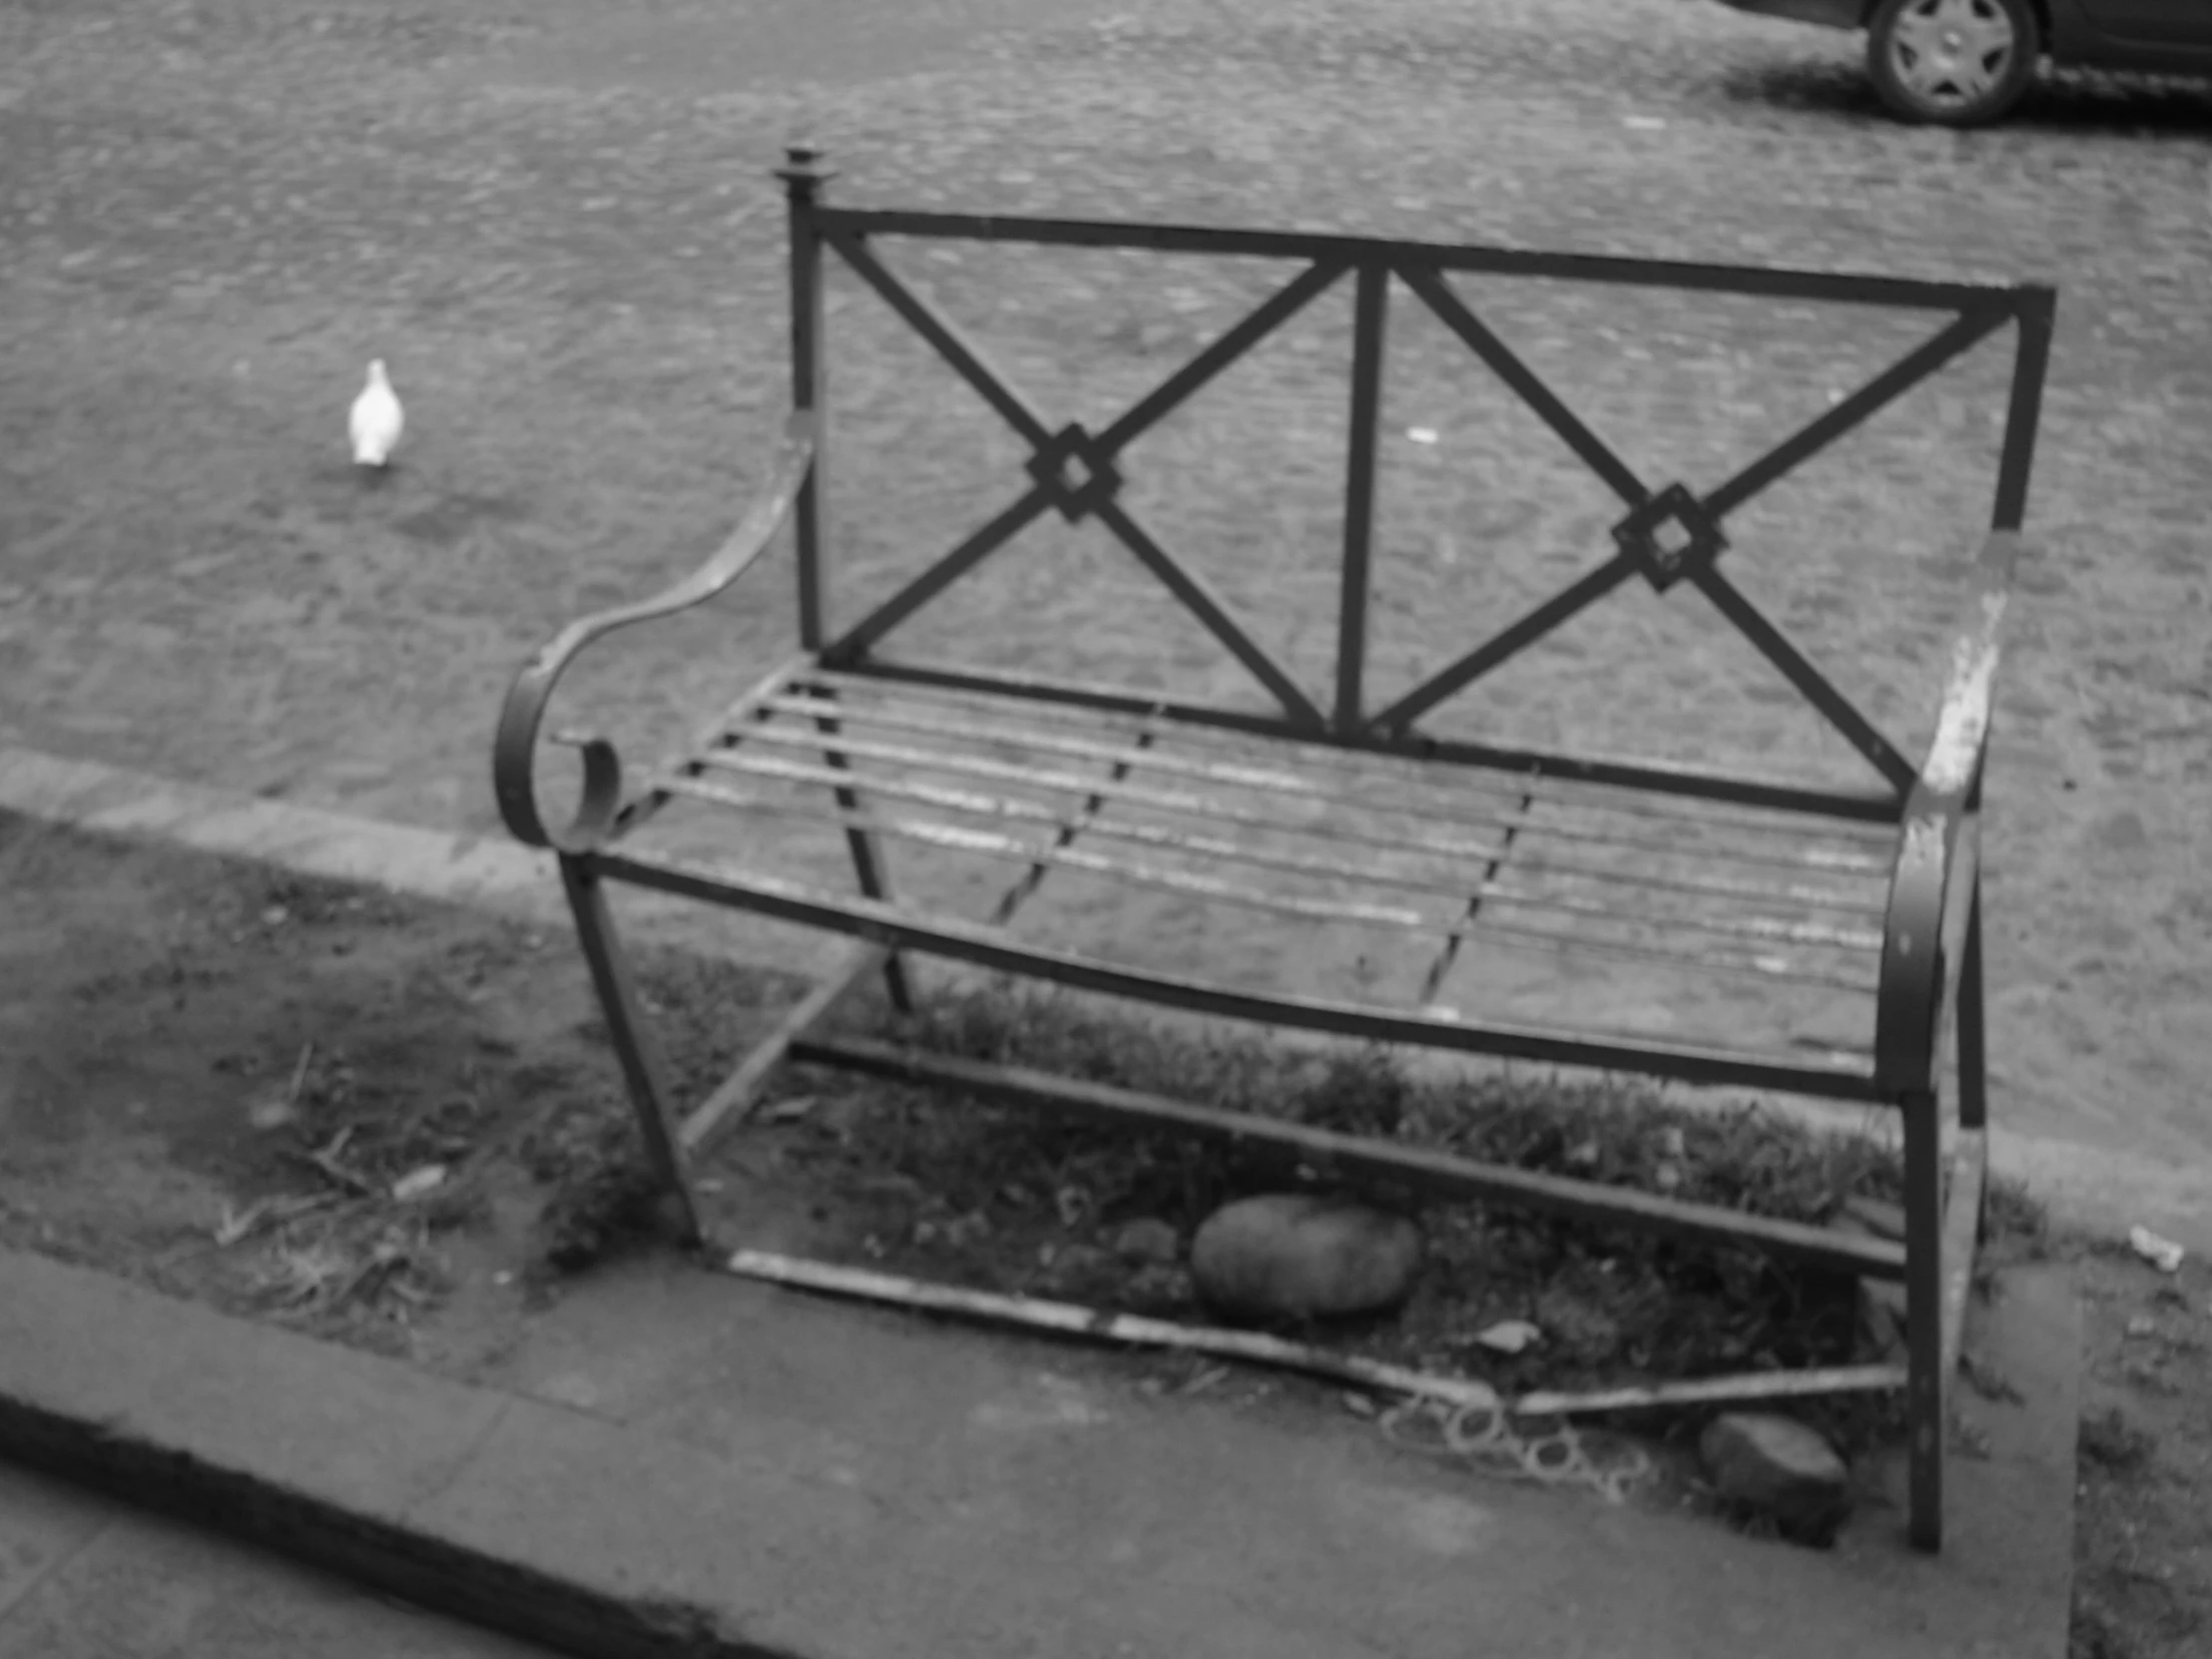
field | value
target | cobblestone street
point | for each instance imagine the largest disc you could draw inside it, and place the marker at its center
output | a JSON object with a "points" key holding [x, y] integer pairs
{"points": [[556, 223]]}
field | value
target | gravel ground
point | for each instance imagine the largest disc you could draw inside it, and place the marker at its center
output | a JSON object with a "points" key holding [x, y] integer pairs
{"points": [[555, 223]]}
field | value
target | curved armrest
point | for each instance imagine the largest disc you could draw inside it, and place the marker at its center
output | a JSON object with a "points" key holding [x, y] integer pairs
{"points": [[514, 749], [1908, 1004]]}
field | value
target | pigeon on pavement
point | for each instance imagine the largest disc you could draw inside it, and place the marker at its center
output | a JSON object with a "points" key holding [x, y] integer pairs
{"points": [[377, 419]]}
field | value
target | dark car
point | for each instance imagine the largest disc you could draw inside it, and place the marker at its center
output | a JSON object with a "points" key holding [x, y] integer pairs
{"points": [[1965, 62]]}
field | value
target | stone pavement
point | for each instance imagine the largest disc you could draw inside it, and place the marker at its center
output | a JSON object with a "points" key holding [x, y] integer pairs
{"points": [[711, 1467]]}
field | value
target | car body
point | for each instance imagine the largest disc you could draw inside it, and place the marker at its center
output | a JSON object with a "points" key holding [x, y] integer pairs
{"points": [[2165, 36]]}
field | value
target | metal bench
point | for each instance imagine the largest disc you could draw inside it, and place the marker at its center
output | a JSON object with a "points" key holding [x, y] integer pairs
{"points": [[1330, 817]]}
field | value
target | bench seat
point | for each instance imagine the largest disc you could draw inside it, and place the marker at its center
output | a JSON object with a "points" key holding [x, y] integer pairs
{"points": [[1461, 903]]}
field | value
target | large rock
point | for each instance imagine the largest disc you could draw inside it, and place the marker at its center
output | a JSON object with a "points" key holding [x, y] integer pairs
{"points": [[1295, 1256], [1781, 1468]]}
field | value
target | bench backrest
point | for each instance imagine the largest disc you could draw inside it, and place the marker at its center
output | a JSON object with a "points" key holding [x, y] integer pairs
{"points": [[1667, 532]]}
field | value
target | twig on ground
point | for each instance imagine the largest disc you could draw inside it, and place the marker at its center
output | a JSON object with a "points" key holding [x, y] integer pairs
{"points": [[325, 1160]]}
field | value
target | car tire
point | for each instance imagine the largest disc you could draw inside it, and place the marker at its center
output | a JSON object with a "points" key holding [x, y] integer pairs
{"points": [[1953, 63]]}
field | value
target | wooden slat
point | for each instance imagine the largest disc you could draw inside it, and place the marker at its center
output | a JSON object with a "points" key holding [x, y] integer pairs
{"points": [[1283, 779], [1667, 780], [1450, 784], [1467, 888], [1208, 887]]}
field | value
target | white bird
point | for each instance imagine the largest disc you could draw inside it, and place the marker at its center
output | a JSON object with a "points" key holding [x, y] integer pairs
{"points": [[377, 419]]}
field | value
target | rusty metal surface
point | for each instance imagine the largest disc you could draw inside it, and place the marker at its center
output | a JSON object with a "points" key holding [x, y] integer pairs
{"points": [[1962, 1211], [1924, 890], [1360, 821]]}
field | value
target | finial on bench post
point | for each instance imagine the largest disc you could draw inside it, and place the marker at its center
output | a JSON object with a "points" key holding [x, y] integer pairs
{"points": [[804, 172]]}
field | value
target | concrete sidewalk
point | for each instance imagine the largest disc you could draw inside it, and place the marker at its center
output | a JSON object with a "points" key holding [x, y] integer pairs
{"points": [[85, 1577], [778, 1475]]}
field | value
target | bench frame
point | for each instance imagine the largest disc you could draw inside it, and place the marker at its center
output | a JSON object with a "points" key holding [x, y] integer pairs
{"points": [[1929, 1002]]}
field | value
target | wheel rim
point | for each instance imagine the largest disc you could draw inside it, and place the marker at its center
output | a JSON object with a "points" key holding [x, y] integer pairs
{"points": [[1949, 54]]}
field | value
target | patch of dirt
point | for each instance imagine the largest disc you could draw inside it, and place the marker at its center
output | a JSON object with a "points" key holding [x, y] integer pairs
{"points": [[994, 1198], [304, 1101], [213, 1077], [2143, 1510]]}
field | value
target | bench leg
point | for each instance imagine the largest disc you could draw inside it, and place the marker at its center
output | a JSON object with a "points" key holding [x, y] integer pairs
{"points": [[867, 864], [1925, 1384], [643, 1070], [1973, 1073]]}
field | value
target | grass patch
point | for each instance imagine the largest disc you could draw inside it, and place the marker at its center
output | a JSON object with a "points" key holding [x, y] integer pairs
{"points": [[1012, 1199]]}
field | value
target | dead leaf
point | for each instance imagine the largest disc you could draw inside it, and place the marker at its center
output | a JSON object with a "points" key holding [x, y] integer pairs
{"points": [[1510, 1336], [234, 1224], [273, 1113], [419, 1182], [326, 1162], [1073, 1204]]}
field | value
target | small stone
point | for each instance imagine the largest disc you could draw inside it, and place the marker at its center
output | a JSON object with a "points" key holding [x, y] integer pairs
{"points": [[1076, 1272], [1781, 1468], [270, 1114], [1147, 1239], [1877, 1216], [1510, 1336], [1158, 1290], [1880, 1301], [419, 1183], [1882, 1318], [1303, 1255]]}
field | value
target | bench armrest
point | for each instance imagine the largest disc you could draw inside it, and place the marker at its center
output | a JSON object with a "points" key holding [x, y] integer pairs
{"points": [[1932, 872], [514, 749]]}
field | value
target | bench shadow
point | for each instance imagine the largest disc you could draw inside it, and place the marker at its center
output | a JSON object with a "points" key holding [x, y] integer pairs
{"points": [[2065, 101]]}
